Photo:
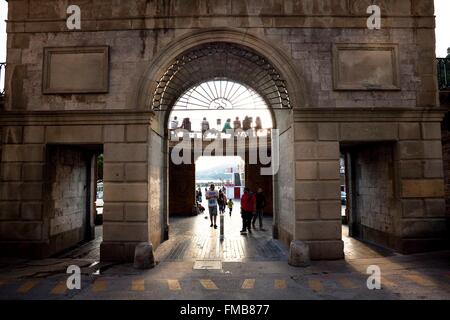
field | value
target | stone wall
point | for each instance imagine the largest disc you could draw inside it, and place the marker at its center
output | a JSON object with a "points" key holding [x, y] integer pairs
{"points": [[297, 38], [157, 210], [126, 190], [317, 188], [29, 202], [375, 196], [446, 161], [136, 33], [21, 190], [285, 191], [67, 198]]}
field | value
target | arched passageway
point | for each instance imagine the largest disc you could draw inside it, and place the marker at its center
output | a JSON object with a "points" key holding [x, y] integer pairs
{"points": [[221, 82]]}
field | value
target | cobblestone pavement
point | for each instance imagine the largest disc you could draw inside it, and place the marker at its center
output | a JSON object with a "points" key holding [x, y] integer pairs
{"points": [[195, 264]]}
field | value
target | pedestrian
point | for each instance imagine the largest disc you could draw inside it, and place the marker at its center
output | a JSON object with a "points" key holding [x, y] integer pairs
{"points": [[258, 124], [260, 204], [199, 195], [237, 124], [246, 123], [230, 205], [222, 201], [227, 126], [205, 126], [174, 123], [212, 196], [247, 209], [186, 125]]}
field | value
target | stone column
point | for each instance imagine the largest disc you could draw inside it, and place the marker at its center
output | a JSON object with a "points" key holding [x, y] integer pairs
{"points": [[126, 191], [21, 190], [317, 189], [422, 187]]}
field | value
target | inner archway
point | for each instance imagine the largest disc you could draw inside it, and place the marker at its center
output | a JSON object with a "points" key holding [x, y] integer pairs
{"points": [[220, 112], [231, 67]]}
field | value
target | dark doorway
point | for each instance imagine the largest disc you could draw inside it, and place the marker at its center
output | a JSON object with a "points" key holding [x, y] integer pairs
{"points": [[368, 198], [70, 205]]}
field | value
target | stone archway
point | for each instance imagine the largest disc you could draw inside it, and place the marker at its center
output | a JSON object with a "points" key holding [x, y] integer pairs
{"points": [[291, 74], [224, 53], [221, 60]]}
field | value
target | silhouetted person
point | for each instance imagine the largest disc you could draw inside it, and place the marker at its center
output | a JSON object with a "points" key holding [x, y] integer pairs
{"points": [[237, 124], [247, 209], [246, 124], [212, 196], [199, 195], [205, 126], [174, 123], [186, 125], [258, 124], [260, 204], [227, 126]]}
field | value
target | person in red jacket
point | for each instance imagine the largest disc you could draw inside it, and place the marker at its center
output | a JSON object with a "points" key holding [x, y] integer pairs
{"points": [[248, 203]]}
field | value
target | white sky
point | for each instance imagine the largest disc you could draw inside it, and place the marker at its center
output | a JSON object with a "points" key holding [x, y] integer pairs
{"points": [[3, 17], [206, 163], [442, 12]]}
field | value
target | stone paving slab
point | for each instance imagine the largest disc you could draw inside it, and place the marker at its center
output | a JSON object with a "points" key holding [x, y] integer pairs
{"points": [[242, 280]]}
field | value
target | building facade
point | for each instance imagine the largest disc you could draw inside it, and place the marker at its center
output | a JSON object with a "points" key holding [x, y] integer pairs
{"points": [[334, 86]]}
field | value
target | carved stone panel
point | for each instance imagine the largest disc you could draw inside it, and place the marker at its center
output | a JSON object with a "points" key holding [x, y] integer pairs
{"points": [[365, 67], [76, 70]]}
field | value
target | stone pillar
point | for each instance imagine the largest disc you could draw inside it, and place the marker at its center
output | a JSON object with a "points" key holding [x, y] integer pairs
{"points": [[422, 187], [446, 162], [317, 189], [126, 191], [21, 190]]}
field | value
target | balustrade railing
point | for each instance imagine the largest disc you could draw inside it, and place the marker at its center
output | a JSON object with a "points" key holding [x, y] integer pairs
{"points": [[2, 77], [443, 69]]}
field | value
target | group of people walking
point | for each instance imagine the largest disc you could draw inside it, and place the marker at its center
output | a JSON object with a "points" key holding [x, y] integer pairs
{"points": [[252, 206]]}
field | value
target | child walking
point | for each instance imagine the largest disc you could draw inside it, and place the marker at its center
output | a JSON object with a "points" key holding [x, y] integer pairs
{"points": [[230, 204]]}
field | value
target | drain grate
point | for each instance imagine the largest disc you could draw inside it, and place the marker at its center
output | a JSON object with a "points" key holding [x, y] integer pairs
{"points": [[208, 265]]}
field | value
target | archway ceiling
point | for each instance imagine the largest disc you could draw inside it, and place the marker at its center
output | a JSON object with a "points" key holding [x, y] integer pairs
{"points": [[220, 60]]}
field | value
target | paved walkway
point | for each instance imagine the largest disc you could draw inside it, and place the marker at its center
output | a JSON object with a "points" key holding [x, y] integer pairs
{"points": [[403, 277], [195, 264], [192, 238]]}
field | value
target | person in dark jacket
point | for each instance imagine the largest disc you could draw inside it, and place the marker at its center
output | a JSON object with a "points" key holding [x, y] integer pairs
{"points": [[259, 212]]}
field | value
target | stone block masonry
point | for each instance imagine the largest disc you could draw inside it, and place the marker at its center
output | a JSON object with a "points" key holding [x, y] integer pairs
{"points": [[44, 181], [295, 39]]}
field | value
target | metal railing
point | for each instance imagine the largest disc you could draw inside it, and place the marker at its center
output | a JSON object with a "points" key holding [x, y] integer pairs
{"points": [[2, 77], [443, 69]]}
